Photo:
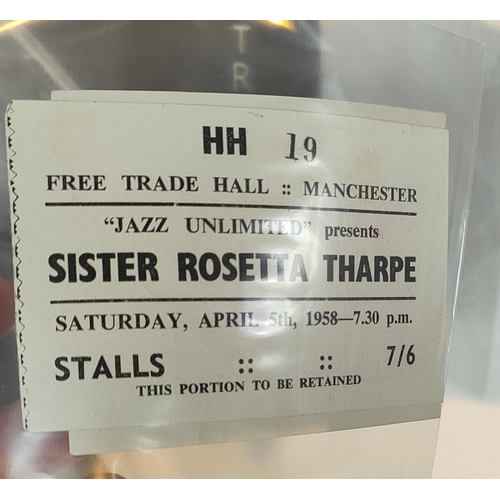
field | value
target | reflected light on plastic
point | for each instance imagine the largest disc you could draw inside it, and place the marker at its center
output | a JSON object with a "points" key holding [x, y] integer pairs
{"points": [[11, 25], [289, 25], [272, 362]]}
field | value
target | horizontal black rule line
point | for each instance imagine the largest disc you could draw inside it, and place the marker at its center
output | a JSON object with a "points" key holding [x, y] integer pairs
{"points": [[107, 204], [221, 205], [294, 207], [228, 299]]}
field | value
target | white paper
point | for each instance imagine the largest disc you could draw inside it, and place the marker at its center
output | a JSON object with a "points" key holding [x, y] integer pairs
{"points": [[201, 366]]}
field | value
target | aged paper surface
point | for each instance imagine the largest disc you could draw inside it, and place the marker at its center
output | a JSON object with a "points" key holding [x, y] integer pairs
{"points": [[301, 275]]}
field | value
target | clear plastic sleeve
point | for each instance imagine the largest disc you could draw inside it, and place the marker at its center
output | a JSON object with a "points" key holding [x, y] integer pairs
{"points": [[410, 65]]}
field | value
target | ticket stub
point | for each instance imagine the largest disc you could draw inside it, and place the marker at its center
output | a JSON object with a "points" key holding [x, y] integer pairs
{"points": [[186, 263]]}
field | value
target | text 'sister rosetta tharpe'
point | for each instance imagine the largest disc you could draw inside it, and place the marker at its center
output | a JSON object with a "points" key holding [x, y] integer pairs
{"points": [[217, 258]]}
